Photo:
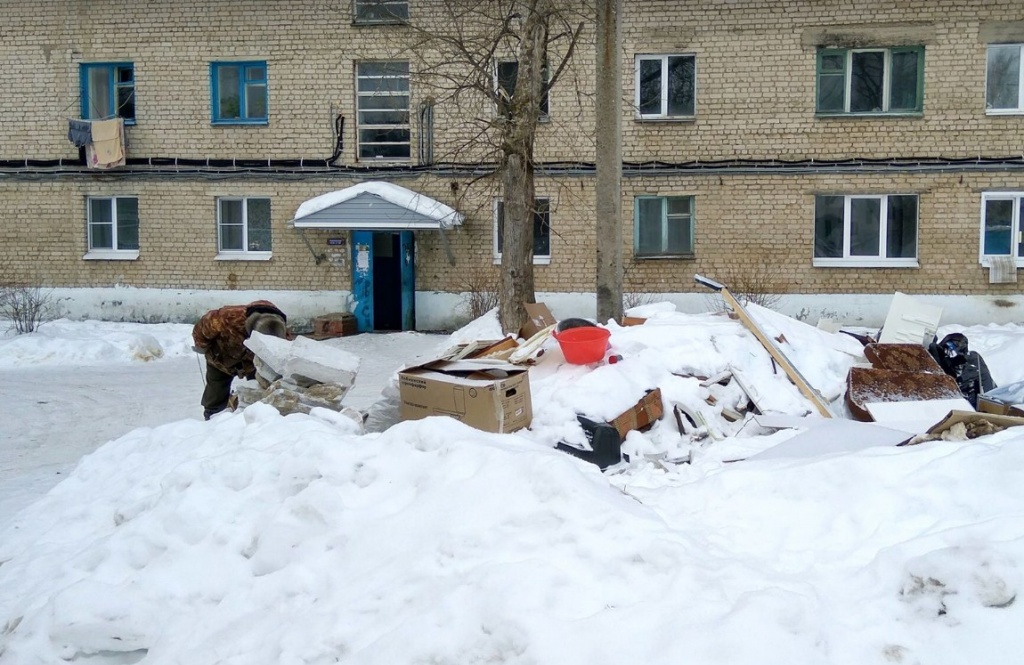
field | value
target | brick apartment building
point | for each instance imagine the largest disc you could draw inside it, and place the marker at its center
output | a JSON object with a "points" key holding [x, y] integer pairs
{"points": [[836, 151]]}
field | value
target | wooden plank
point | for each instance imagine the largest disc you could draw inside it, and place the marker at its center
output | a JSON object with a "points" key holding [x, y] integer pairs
{"points": [[809, 391]]}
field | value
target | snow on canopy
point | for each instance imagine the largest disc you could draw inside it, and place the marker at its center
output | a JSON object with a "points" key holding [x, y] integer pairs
{"points": [[399, 196]]}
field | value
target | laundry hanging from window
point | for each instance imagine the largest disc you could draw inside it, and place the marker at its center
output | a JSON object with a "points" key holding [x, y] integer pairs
{"points": [[79, 132], [107, 147]]}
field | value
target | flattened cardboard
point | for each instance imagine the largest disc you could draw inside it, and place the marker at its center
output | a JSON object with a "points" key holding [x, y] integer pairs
{"points": [[955, 417], [642, 414], [633, 321], [539, 318], [489, 395]]}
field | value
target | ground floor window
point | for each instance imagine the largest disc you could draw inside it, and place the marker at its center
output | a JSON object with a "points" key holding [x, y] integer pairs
{"points": [[1001, 225], [243, 227], [541, 230], [663, 226], [113, 227], [866, 230]]}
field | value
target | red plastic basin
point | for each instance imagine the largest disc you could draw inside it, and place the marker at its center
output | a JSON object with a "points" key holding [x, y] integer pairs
{"points": [[583, 345]]}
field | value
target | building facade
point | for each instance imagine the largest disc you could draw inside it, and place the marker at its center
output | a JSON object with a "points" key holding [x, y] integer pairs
{"points": [[829, 151]]}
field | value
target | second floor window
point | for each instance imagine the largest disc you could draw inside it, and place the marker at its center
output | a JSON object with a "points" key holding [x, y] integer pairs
{"points": [[382, 113], [665, 86], [113, 224], [870, 81], [239, 92], [1004, 84], [865, 230], [507, 73], [663, 226], [243, 225], [108, 91], [541, 229], [381, 11]]}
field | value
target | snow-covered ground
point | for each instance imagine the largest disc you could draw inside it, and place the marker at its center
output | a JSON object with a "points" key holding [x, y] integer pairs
{"points": [[133, 532]]}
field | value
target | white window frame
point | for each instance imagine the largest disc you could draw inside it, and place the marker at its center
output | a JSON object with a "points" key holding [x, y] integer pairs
{"points": [[360, 125], [1019, 110], [545, 116], [1015, 232], [538, 259], [849, 261], [243, 254], [887, 55], [111, 253], [663, 115]]}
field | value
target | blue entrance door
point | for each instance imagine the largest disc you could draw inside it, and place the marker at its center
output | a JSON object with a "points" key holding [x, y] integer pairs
{"points": [[383, 280], [408, 280], [362, 279]]}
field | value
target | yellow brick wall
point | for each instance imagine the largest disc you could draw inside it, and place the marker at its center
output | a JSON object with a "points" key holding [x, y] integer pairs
{"points": [[755, 100]]}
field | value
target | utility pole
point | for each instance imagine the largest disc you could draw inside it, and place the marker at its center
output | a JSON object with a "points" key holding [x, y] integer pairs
{"points": [[608, 160]]}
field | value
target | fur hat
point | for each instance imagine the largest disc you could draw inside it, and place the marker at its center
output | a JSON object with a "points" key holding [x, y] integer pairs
{"points": [[266, 323]]}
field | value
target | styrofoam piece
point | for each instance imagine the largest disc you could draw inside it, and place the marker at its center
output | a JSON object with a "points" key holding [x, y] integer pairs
{"points": [[915, 416], [909, 321], [834, 436]]}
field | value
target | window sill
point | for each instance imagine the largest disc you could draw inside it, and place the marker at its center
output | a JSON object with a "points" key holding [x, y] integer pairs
{"points": [[240, 123], [378, 22], [243, 256], [664, 257], [986, 261], [998, 112], [865, 263], [111, 255], [665, 118], [853, 116], [537, 260]]}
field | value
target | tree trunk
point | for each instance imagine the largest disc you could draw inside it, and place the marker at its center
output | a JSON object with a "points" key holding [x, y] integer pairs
{"points": [[517, 243], [608, 158], [518, 134]]}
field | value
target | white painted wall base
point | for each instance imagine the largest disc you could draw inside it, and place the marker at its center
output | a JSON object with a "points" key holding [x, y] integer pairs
{"points": [[448, 311]]}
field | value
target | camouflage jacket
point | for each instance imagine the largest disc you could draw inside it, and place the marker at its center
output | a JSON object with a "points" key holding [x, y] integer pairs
{"points": [[220, 334]]}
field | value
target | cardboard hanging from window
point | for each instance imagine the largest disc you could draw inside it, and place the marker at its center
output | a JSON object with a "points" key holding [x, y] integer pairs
{"points": [[107, 148]]}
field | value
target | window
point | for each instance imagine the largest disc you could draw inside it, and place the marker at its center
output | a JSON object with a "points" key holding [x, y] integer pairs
{"points": [[867, 81], [541, 230], [381, 11], [113, 227], [665, 86], [865, 231], [1004, 87], [239, 92], [506, 74], [1001, 225], [108, 91], [243, 226], [663, 226], [382, 98]]}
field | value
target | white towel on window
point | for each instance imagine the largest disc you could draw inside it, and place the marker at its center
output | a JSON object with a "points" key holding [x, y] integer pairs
{"points": [[1002, 270], [107, 148]]}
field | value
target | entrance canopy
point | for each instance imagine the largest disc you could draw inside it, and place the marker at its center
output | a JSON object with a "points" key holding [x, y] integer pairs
{"points": [[375, 206]]}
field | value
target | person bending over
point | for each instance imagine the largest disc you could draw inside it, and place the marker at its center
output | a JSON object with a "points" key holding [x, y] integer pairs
{"points": [[220, 335]]}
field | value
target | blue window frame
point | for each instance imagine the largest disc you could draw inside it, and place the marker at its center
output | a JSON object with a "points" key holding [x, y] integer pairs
{"points": [[108, 90], [239, 92]]}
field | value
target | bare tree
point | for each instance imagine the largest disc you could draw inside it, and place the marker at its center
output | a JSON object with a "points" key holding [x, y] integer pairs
{"points": [[458, 52]]}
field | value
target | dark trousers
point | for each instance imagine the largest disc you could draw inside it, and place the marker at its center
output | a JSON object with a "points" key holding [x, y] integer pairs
{"points": [[217, 392]]}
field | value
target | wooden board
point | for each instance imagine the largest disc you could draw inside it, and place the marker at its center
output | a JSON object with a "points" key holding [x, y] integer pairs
{"points": [[808, 391]]}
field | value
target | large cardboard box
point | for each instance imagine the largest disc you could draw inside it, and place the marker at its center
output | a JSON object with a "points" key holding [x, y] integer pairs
{"points": [[539, 318], [489, 395]]}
